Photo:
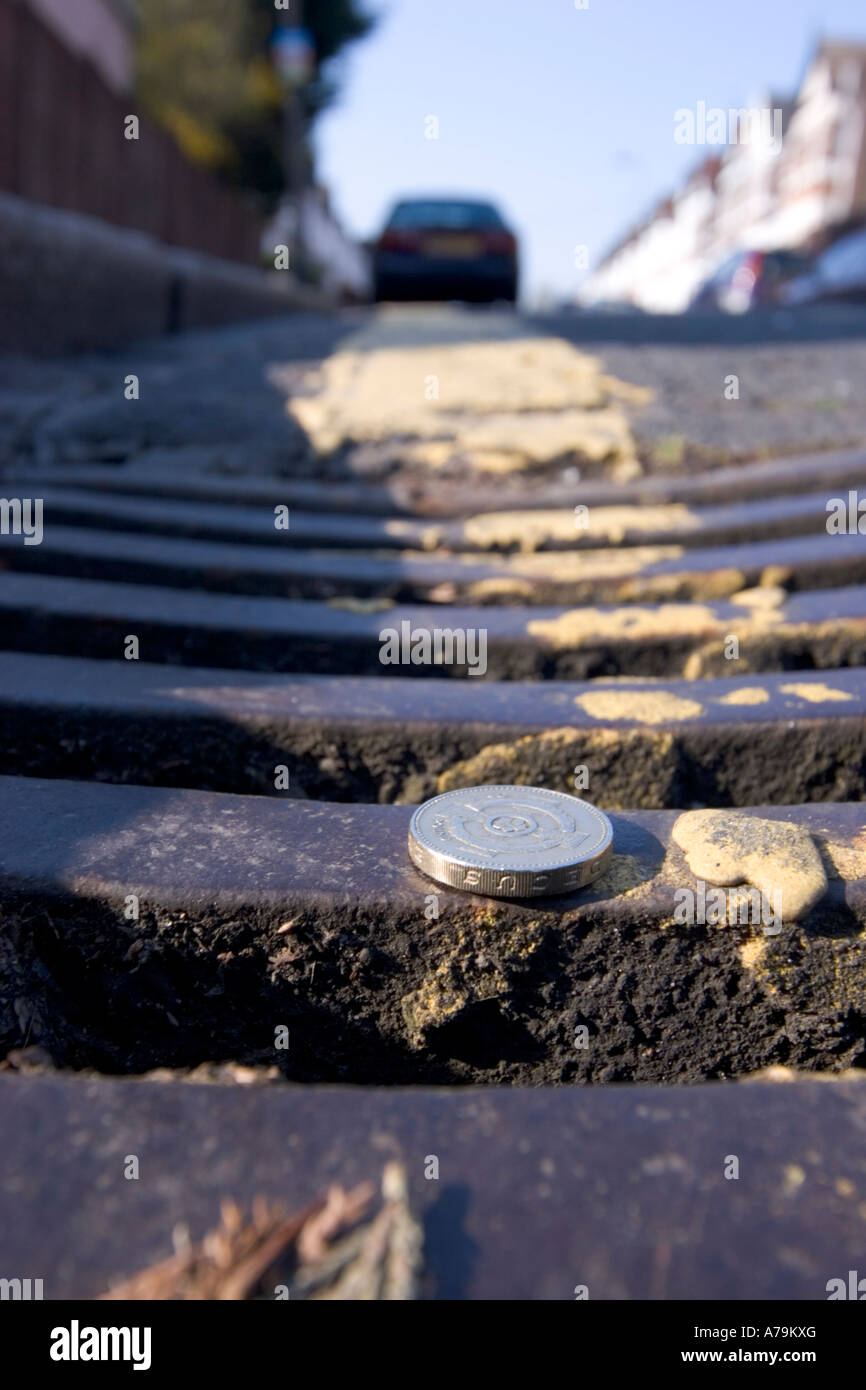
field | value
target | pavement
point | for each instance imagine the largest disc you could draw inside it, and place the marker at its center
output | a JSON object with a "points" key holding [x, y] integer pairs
{"points": [[798, 375], [650, 388]]}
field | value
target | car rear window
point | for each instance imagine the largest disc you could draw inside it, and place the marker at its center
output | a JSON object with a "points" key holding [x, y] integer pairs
{"points": [[445, 215]]}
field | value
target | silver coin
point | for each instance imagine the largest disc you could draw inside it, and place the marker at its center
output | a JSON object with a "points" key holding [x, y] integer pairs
{"points": [[510, 842]]}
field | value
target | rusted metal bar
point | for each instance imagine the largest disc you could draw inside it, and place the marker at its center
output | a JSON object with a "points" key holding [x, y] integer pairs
{"points": [[611, 526], [151, 926], [792, 737], [832, 470], [84, 617], [541, 1193], [639, 574]]}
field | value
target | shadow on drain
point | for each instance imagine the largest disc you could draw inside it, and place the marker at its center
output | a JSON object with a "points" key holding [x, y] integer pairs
{"points": [[509, 993]]}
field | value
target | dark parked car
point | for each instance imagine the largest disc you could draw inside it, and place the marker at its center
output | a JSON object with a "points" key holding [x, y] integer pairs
{"points": [[445, 248], [839, 273], [750, 280]]}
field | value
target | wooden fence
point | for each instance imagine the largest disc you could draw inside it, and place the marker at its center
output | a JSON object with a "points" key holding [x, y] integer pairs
{"points": [[62, 142]]}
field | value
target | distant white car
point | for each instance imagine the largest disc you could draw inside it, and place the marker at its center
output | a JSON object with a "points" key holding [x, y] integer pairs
{"points": [[840, 273]]}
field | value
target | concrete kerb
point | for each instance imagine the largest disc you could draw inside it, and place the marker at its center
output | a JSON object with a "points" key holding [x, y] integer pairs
{"points": [[71, 283]]}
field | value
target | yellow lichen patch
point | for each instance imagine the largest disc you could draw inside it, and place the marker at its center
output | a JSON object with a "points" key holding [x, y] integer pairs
{"points": [[450, 383], [442, 593], [536, 530], [751, 951], [435, 453], [525, 530], [590, 565], [625, 470], [716, 583], [848, 860], [563, 566], [746, 695], [617, 522], [431, 1006], [622, 877], [589, 626], [778, 1075], [642, 706], [696, 663], [786, 1074], [430, 537], [537, 437], [459, 978], [669, 451], [777, 857], [499, 587], [493, 460], [682, 583], [626, 391], [765, 639], [630, 767], [482, 377], [775, 576], [763, 596], [815, 692], [360, 605], [794, 1177]]}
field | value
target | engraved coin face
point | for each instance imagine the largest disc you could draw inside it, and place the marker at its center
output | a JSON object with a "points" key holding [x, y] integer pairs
{"points": [[510, 842]]}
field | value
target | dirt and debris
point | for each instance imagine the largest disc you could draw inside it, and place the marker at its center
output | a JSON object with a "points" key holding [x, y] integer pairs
{"points": [[333, 1250]]}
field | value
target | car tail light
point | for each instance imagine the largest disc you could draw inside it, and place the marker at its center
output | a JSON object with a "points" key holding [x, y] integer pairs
{"points": [[400, 241], [746, 275], [500, 243]]}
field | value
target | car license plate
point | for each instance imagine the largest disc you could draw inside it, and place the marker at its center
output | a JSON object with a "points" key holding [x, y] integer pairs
{"points": [[457, 247]]}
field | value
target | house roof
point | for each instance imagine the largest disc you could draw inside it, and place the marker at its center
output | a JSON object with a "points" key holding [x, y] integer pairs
{"points": [[838, 52]]}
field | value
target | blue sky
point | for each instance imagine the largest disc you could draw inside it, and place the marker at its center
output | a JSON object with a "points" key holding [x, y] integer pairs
{"points": [[564, 116]]}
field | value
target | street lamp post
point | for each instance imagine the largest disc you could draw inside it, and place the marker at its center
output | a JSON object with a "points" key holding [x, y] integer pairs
{"points": [[293, 56]]}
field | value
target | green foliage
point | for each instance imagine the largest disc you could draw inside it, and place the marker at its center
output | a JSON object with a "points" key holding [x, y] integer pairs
{"points": [[204, 72]]}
